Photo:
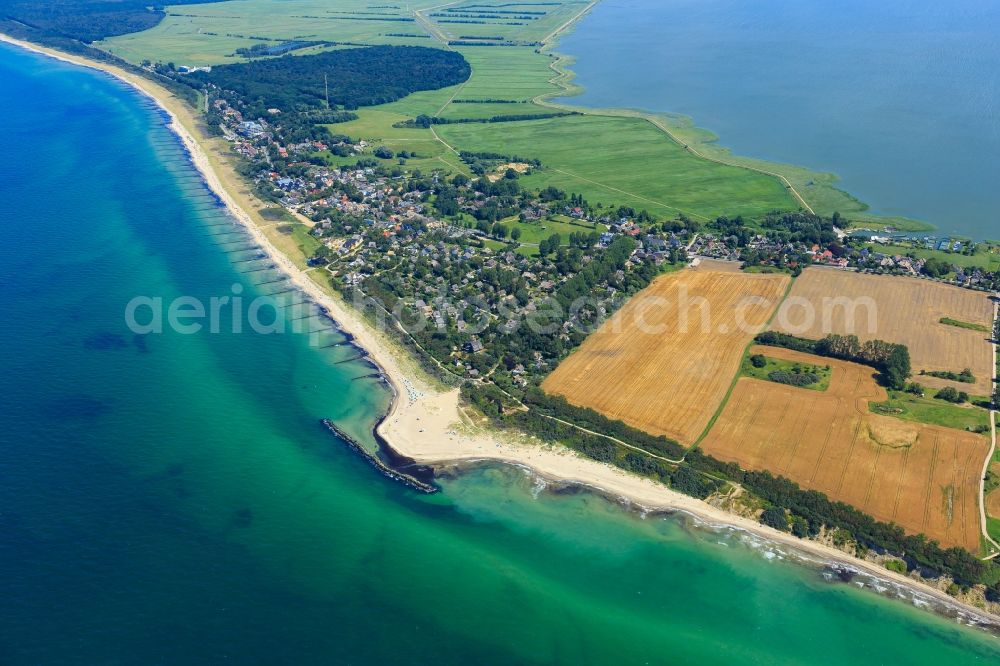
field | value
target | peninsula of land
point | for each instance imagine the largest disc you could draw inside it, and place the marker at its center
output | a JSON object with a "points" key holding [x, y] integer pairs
{"points": [[427, 422]]}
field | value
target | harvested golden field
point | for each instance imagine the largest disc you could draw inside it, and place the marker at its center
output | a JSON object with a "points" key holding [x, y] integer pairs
{"points": [[664, 362], [923, 477], [897, 309], [718, 265]]}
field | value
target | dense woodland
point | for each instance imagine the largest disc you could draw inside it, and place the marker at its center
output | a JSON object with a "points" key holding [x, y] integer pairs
{"points": [[353, 77], [83, 20]]}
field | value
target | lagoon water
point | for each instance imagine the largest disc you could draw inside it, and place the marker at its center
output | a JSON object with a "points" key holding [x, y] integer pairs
{"points": [[171, 498], [901, 98]]}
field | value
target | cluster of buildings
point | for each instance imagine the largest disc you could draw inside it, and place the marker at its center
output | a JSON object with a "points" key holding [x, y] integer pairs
{"points": [[464, 289], [856, 253]]}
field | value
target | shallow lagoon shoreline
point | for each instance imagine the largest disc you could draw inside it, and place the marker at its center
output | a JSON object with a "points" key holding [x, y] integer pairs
{"points": [[813, 189], [427, 425]]}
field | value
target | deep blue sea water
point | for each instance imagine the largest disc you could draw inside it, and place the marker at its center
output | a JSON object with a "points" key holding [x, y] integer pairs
{"points": [[172, 499], [901, 98]]}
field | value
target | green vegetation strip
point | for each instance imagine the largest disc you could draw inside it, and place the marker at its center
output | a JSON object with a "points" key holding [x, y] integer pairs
{"points": [[814, 377], [964, 324], [926, 409]]}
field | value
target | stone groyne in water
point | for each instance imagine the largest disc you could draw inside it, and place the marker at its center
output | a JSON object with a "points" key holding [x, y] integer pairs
{"points": [[399, 468]]}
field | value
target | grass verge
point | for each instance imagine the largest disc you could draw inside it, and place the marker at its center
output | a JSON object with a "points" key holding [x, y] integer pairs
{"points": [[927, 409]]}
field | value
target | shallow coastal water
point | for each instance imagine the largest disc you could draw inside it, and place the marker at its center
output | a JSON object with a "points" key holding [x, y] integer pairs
{"points": [[900, 98], [173, 499]]}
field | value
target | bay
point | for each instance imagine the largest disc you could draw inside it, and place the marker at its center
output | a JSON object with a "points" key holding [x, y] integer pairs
{"points": [[899, 98]]}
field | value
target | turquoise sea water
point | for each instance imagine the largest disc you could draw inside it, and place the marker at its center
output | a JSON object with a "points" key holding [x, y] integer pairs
{"points": [[171, 499], [900, 98]]}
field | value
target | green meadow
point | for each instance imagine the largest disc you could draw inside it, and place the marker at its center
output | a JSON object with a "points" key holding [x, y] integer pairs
{"points": [[518, 22], [375, 126], [209, 34], [820, 190], [613, 156], [612, 160], [624, 161], [536, 231], [927, 409]]}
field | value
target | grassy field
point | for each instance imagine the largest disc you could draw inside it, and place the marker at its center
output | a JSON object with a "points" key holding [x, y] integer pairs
{"points": [[992, 498], [821, 370], [375, 126], [518, 21], [641, 169], [624, 161], [993, 527], [820, 190], [504, 73], [209, 34], [294, 240], [928, 409], [533, 232]]}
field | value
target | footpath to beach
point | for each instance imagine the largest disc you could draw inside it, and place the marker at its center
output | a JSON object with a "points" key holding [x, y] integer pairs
{"points": [[427, 424]]}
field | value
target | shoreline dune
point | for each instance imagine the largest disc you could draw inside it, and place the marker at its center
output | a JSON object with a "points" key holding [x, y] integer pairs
{"points": [[428, 425]]}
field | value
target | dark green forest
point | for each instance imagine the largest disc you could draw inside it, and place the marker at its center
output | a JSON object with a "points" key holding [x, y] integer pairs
{"points": [[83, 20], [354, 77]]}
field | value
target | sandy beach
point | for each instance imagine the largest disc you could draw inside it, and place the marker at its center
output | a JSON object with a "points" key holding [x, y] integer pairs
{"points": [[426, 423]]}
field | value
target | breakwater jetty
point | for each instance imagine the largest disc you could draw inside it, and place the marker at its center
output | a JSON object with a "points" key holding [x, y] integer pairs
{"points": [[417, 476]]}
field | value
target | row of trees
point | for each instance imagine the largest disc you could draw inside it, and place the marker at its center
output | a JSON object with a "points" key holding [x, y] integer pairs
{"points": [[480, 163], [817, 509], [892, 360], [424, 121], [788, 507]]}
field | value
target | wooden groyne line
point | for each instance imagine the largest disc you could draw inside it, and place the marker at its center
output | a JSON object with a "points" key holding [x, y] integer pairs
{"points": [[419, 477], [356, 357], [372, 375]]}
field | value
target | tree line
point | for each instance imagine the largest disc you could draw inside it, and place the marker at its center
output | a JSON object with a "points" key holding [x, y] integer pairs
{"points": [[789, 507], [424, 121], [891, 359]]}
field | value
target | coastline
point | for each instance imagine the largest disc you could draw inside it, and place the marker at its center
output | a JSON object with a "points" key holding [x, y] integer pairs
{"points": [[703, 143], [428, 425]]}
